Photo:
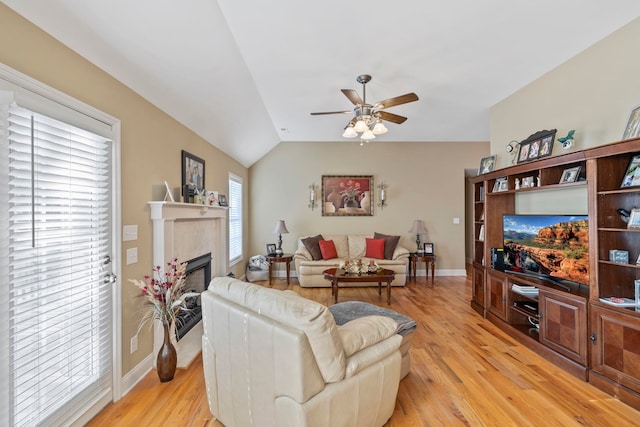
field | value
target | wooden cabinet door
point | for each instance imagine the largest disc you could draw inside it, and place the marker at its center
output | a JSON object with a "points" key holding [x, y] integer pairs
{"points": [[563, 324], [477, 289], [496, 294], [616, 347]]}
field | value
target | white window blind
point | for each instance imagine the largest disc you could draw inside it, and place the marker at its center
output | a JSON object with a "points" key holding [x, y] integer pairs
{"points": [[58, 185], [235, 219]]}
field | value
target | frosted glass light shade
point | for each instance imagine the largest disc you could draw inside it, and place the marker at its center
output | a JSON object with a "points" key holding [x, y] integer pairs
{"points": [[368, 135], [361, 126], [350, 132], [379, 128]]}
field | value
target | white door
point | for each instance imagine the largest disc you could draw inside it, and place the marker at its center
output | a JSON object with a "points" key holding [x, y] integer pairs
{"points": [[56, 180]]}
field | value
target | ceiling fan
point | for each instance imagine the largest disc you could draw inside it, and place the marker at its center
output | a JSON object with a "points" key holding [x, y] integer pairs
{"points": [[368, 117]]}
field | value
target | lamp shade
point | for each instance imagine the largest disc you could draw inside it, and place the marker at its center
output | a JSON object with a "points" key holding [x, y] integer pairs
{"points": [[281, 228], [418, 227]]}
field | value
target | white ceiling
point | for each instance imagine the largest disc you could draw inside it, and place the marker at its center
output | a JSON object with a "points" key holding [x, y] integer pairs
{"points": [[245, 75]]}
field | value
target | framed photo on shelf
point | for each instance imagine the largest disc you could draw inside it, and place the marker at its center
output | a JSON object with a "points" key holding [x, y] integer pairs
{"points": [[500, 185], [570, 175], [487, 164], [222, 200], [523, 153], [428, 248], [271, 248], [211, 198], [632, 130], [192, 174], [634, 219], [536, 146], [527, 182], [632, 175]]}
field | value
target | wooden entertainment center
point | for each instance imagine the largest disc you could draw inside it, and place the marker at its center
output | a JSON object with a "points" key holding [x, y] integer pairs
{"points": [[595, 341]]}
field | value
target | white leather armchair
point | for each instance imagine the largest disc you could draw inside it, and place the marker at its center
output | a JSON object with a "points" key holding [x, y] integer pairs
{"points": [[273, 358]]}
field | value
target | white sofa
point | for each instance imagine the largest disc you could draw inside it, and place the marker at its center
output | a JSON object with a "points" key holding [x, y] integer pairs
{"points": [[309, 271], [273, 358]]}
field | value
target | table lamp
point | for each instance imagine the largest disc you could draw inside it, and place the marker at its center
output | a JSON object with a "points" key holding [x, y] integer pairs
{"points": [[418, 228], [280, 229]]}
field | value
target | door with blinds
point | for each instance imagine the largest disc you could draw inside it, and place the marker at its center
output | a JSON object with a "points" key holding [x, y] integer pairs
{"points": [[56, 181]]}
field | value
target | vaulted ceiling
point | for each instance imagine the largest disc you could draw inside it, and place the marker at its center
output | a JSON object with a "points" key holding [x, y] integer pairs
{"points": [[245, 75]]}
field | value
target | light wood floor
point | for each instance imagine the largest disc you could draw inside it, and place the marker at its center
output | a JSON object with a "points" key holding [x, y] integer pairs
{"points": [[464, 372]]}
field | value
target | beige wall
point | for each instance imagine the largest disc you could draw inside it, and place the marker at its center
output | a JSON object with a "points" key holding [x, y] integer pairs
{"points": [[425, 181], [592, 93], [151, 145]]}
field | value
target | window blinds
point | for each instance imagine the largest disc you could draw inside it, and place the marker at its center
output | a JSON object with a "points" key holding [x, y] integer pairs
{"points": [[235, 219], [59, 237]]}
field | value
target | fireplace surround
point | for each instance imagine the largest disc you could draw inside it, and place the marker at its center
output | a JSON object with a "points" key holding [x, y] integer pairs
{"points": [[187, 231]]}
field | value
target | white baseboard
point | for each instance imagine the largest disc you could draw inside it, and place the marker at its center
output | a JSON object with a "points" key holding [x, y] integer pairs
{"points": [[136, 375]]}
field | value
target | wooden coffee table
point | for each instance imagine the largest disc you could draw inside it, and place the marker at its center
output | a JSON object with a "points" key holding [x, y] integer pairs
{"points": [[338, 275]]}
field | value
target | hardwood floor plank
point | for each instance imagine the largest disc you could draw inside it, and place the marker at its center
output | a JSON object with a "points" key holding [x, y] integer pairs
{"points": [[464, 372]]}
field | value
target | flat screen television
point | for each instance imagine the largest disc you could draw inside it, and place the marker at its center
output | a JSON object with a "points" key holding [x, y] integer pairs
{"points": [[554, 247]]}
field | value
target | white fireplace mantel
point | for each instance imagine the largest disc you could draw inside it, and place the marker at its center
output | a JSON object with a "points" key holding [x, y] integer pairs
{"points": [[186, 231]]}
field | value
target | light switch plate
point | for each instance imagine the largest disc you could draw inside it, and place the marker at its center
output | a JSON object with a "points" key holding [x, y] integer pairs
{"points": [[456, 220], [132, 256], [129, 232]]}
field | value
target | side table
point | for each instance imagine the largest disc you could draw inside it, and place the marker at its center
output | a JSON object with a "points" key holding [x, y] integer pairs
{"points": [[414, 257], [272, 259]]}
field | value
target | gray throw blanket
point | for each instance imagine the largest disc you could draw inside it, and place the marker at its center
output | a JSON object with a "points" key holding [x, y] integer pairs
{"points": [[349, 310]]}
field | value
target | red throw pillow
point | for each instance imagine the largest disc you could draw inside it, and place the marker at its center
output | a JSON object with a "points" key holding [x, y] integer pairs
{"points": [[328, 249], [375, 248]]}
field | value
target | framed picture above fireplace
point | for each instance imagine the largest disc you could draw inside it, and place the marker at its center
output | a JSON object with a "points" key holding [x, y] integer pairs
{"points": [[192, 175]]}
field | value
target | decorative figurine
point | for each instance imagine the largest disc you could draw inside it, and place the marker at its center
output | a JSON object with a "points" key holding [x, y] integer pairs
{"points": [[567, 141]]}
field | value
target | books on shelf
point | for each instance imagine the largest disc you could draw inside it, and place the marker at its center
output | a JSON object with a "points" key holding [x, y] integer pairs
{"points": [[481, 234], [619, 302]]}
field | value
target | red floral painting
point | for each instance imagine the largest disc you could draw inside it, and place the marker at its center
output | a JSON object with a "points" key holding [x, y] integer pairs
{"points": [[347, 195]]}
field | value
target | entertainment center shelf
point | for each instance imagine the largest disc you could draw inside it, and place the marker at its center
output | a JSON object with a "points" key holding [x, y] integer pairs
{"points": [[593, 340]]}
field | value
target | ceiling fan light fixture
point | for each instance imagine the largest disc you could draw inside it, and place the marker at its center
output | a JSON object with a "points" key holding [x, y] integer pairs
{"points": [[350, 132], [379, 128], [361, 125], [367, 135]]}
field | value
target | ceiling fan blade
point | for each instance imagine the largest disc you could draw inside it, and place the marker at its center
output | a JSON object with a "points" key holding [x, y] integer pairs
{"points": [[332, 112], [398, 100], [390, 117], [353, 96]]}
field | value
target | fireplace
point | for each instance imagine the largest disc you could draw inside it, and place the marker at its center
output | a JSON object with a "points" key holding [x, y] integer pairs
{"points": [[186, 231], [198, 274]]}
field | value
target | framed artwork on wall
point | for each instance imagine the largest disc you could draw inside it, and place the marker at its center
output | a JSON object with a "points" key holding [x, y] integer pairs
{"points": [[347, 195], [192, 174]]}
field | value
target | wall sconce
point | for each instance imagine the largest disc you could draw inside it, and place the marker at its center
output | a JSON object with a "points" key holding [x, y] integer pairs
{"points": [[382, 196], [312, 195]]}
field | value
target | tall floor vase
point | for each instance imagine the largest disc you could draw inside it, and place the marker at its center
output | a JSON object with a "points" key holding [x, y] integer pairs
{"points": [[167, 358]]}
